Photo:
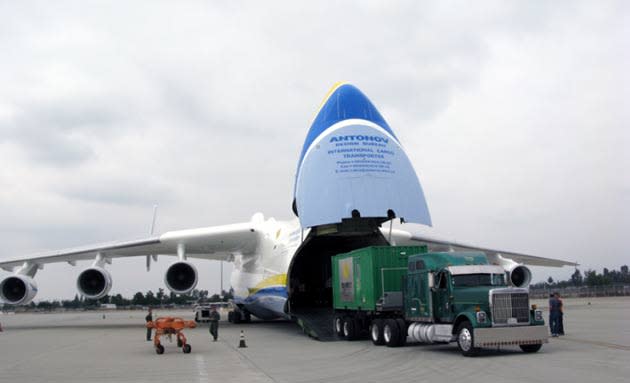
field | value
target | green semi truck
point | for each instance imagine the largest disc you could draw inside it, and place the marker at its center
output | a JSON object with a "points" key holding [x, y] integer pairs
{"points": [[398, 293]]}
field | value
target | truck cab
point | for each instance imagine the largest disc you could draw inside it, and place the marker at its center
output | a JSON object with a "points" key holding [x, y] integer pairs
{"points": [[460, 297]]}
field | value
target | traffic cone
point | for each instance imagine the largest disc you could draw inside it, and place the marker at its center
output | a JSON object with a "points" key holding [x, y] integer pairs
{"points": [[241, 343]]}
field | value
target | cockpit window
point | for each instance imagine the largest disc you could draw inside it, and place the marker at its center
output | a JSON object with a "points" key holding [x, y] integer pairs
{"points": [[478, 280]]}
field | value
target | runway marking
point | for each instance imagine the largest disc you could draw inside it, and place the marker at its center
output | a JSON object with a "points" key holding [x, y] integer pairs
{"points": [[598, 343], [201, 368]]}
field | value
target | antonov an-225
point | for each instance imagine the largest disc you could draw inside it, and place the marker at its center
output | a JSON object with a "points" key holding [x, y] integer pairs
{"points": [[352, 176]]}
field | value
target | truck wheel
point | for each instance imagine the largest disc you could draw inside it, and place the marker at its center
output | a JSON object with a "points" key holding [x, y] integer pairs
{"points": [[376, 332], [338, 326], [530, 347], [349, 328], [466, 340], [402, 325], [391, 333]]}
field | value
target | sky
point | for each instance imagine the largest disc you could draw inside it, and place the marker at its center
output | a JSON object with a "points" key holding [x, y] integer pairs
{"points": [[514, 114]]}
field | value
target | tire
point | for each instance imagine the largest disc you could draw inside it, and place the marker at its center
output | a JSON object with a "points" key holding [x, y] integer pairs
{"points": [[338, 326], [349, 328], [530, 348], [248, 317], [236, 317], [466, 339], [159, 349], [402, 325], [376, 332], [391, 333], [186, 349]]}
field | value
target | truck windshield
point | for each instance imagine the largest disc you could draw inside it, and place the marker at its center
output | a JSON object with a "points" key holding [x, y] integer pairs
{"points": [[479, 280]]}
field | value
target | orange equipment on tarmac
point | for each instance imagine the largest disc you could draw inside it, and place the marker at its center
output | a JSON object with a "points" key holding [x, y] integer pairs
{"points": [[169, 326]]}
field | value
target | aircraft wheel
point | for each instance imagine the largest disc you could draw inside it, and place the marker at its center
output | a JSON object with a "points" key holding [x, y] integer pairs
{"points": [[186, 349], [159, 349]]}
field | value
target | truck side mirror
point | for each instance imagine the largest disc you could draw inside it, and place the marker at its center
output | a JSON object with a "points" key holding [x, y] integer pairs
{"points": [[431, 280]]}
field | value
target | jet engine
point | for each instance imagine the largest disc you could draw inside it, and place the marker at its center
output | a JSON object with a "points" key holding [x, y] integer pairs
{"points": [[519, 276], [18, 289], [94, 282], [181, 277]]}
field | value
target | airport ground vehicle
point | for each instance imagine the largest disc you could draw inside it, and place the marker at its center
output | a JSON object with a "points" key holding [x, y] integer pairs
{"points": [[202, 311], [397, 293], [170, 326]]}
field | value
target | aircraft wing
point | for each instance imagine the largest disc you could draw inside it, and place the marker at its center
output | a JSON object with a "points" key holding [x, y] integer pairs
{"points": [[437, 244], [216, 242]]}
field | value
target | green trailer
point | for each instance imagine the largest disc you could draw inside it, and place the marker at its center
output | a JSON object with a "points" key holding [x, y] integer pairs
{"points": [[369, 281]]}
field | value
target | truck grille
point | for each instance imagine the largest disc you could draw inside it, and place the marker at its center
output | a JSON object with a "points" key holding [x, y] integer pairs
{"points": [[510, 308]]}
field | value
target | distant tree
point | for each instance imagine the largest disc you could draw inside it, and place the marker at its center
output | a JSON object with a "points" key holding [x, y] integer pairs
{"points": [[227, 295], [138, 299], [160, 295], [151, 299], [576, 278], [624, 269]]}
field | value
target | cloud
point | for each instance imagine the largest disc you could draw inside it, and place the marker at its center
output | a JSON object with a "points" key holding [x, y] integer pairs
{"points": [[512, 113]]}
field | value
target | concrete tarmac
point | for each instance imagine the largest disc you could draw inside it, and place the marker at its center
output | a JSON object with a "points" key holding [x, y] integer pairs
{"points": [[85, 347]]}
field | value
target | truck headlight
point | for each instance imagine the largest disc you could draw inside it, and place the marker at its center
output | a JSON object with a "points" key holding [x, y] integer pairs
{"points": [[481, 317], [538, 316]]}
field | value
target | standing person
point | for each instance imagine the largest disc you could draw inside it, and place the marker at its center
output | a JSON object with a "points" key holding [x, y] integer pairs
{"points": [[148, 319], [554, 314], [214, 323], [561, 316]]}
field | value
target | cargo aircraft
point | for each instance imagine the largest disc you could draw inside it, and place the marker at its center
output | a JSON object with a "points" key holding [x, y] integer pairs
{"points": [[353, 180]]}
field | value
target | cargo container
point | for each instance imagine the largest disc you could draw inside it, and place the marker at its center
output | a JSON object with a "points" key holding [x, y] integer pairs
{"points": [[370, 279]]}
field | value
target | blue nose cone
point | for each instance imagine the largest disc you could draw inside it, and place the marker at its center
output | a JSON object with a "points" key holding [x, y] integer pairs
{"points": [[352, 163], [343, 102]]}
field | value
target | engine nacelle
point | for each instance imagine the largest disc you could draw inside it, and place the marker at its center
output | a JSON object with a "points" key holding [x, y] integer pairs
{"points": [[519, 276], [181, 277], [94, 282], [18, 289]]}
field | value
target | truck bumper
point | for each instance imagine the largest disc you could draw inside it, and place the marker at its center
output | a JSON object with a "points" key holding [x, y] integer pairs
{"points": [[504, 336]]}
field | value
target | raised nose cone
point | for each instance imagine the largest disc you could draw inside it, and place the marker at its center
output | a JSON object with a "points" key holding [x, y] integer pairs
{"points": [[343, 102], [353, 165]]}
